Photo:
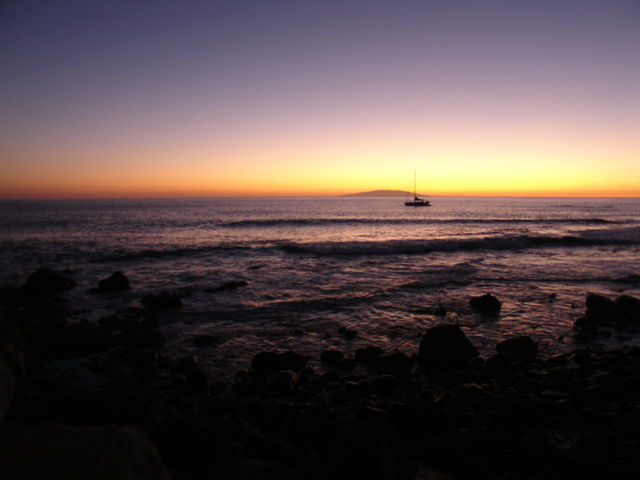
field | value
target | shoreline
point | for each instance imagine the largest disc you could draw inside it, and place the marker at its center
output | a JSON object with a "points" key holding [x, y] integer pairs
{"points": [[442, 411]]}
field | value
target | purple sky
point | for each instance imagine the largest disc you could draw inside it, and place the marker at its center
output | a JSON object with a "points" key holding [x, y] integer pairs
{"points": [[83, 77]]}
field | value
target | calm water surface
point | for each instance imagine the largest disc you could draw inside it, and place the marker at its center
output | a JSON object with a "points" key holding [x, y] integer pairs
{"points": [[315, 264]]}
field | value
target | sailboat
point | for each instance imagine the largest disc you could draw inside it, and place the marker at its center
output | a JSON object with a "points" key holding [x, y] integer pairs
{"points": [[417, 201]]}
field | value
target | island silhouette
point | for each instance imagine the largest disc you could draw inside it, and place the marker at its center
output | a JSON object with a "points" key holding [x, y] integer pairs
{"points": [[380, 193]]}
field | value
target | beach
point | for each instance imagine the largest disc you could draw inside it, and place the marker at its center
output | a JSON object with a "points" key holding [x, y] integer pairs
{"points": [[336, 337]]}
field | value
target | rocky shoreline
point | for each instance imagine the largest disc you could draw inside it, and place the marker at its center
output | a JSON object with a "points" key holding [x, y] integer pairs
{"points": [[82, 400]]}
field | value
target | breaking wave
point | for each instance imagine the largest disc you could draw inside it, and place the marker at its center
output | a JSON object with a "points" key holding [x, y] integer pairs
{"points": [[304, 222], [627, 237]]}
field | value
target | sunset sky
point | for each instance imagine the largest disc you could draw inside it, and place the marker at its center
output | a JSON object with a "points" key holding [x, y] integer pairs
{"points": [[196, 98]]}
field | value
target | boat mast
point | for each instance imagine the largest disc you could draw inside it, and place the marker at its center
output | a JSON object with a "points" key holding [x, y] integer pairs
{"points": [[415, 197]]}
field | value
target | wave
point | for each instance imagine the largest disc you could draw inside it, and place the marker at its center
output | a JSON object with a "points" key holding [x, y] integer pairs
{"points": [[124, 256], [414, 247], [302, 222], [588, 238]]}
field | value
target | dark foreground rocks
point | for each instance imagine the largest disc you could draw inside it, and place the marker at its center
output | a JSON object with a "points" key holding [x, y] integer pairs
{"points": [[604, 315], [440, 412], [45, 282], [116, 281], [486, 304], [59, 451], [161, 301], [445, 347]]}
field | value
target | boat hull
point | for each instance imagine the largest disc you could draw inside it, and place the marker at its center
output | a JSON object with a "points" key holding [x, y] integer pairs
{"points": [[418, 204]]}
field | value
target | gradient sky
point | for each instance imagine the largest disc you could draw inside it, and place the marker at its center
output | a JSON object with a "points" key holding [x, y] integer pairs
{"points": [[192, 98]]}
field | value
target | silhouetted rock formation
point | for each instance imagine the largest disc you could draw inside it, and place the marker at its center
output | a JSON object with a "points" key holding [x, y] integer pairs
{"points": [[603, 313], [269, 362], [116, 281], [446, 347], [11, 363], [364, 412], [74, 453], [45, 282], [161, 301], [331, 356], [521, 348], [486, 304]]}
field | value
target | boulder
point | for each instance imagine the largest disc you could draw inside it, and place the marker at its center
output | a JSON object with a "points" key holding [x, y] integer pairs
{"points": [[385, 384], [348, 333], [11, 363], [205, 341], [369, 355], [621, 314], [117, 281], [283, 381], [521, 348], [331, 356], [161, 301], [371, 450], [269, 362], [486, 304], [45, 282], [628, 305], [600, 306], [445, 347], [189, 363], [59, 451]]}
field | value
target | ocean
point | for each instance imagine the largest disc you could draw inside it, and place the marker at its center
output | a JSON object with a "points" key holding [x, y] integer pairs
{"points": [[315, 265]]}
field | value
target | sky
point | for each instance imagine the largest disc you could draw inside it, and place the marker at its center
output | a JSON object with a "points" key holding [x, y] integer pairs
{"points": [[164, 98]]}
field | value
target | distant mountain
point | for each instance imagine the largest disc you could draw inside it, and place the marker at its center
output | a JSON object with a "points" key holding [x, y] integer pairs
{"points": [[381, 193]]}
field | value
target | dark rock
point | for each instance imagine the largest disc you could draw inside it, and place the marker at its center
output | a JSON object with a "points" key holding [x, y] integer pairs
{"points": [[599, 305], [602, 312], [628, 305], [330, 356], [385, 384], [486, 304], [521, 348], [206, 341], [440, 311], [269, 362], [79, 339], [469, 392], [45, 282], [345, 364], [58, 451], [141, 359], [397, 362], [360, 388], [283, 381], [117, 281], [118, 405], [11, 363], [254, 469], [161, 301], [139, 336], [369, 450], [231, 285], [519, 411], [559, 360], [348, 333], [369, 355], [187, 364], [446, 347], [127, 318]]}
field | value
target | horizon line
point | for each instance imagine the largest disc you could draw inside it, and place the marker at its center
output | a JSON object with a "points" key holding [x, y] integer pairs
{"points": [[345, 195]]}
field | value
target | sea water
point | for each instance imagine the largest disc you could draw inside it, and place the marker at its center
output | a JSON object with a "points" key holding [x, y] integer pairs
{"points": [[314, 265]]}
